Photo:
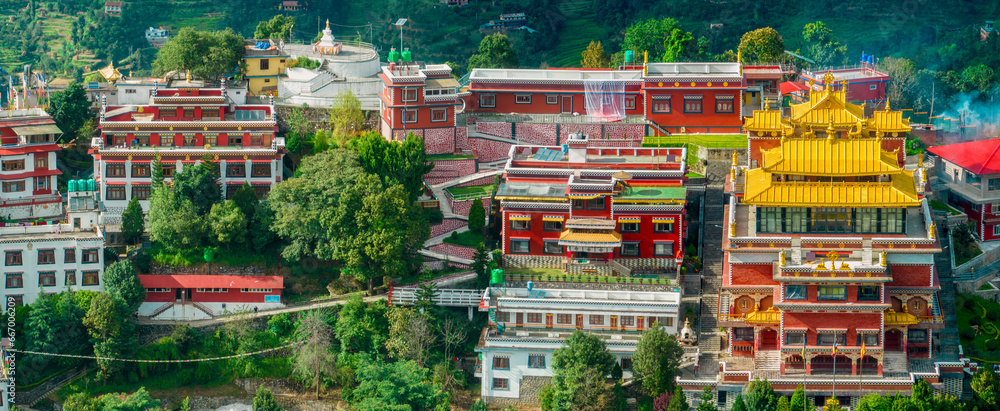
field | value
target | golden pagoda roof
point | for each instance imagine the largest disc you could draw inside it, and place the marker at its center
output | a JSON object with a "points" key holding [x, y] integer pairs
{"points": [[609, 238], [825, 107], [761, 190], [110, 73], [768, 316], [826, 157], [765, 120]]}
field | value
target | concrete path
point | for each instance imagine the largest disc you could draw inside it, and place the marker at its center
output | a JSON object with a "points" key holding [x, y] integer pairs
{"points": [[442, 256], [440, 239], [466, 179], [263, 313]]}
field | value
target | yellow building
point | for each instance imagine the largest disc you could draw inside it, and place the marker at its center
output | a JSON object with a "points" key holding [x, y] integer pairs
{"points": [[264, 62]]}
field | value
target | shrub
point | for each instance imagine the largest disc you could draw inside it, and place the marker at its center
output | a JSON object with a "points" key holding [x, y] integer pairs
{"points": [[142, 261], [993, 315], [975, 320], [969, 304], [454, 235], [993, 345], [969, 333]]}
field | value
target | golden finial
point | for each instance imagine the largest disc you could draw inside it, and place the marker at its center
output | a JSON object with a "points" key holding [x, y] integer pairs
{"points": [[732, 229], [734, 158], [887, 104], [883, 262], [781, 258], [930, 231], [327, 24], [920, 160], [830, 131], [645, 62]]}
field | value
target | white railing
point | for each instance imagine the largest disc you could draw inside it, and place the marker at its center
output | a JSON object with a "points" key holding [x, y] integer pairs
{"points": [[620, 268], [445, 297]]}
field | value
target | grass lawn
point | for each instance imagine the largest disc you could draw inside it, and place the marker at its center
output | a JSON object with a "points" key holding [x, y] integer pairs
{"points": [[705, 140], [450, 156], [986, 287], [467, 239], [937, 205], [972, 311], [962, 259], [693, 175], [461, 191]]}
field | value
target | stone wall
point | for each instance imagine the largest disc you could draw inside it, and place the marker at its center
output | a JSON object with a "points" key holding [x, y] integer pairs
{"points": [[463, 207], [972, 286], [489, 150], [536, 133], [485, 181], [215, 269], [588, 129], [439, 140], [530, 388], [495, 129], [445, 170], [533, 261]]}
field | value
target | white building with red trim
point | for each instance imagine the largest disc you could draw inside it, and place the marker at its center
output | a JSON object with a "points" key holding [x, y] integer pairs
{"points": [[28, 172]]}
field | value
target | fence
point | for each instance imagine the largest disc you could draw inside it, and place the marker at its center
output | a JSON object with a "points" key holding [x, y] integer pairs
{"points": [[593, 279], [986, 263]]}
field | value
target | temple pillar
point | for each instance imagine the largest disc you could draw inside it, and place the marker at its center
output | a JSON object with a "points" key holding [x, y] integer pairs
{"points": [[905, 337], [807, 363], [930, 344], [854, 366]]}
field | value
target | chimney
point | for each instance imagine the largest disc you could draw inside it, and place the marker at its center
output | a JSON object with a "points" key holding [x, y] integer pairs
{"points": [[577, 147]]}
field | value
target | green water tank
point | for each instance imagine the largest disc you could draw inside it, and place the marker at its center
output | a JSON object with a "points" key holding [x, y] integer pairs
{"points": [[629, 56], [393, 55], [407, 56], [209, 254], [497, 276], [72, 185], [90, 185]]}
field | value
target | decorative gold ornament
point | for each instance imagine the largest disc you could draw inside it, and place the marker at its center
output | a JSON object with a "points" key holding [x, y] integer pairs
{"points": [[244, 156], [216, 157], [725, 84], [709, 84], [676, 84], [819, 245], [130, 157], [187, 157]]}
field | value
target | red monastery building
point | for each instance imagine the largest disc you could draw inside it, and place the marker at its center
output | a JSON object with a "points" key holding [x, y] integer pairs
{"points": [[29, 174], [971, 173], [421, 99], [592, 210], [201, 296]]}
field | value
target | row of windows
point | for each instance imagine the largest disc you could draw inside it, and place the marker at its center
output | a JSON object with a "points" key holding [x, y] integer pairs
{"points": [[827, 339], [628, 249], [568, 319], [39, 183], [48, 278], [525, 225], [437, 115], [41, 163], [142, 192], [212, 290], [833, 292], [490, 100], [830, 220], [143, 170], [255, 290], [48, 256], [159, 290], [187, 140], [693, 104]]}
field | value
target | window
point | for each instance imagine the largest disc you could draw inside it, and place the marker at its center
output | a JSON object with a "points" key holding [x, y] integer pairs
{"points": [[551, 99], [501, 384], [69, 256], [211, 140], [265, 64], [831, 220], [503, 317], [535, 318], [596, 320], [596, 203], [552, 225], [629, 227], [488, 100], [870, 339], [410, 116], [994, 184], [827, 338], [168, 112], [522, 98], [630, 103], [869, 293], [47, 279], [90, 278], [796, 292], [18, 299], [13, 165], [916, 336], [189, 113], [236, 170], [661, 105], [970, 179], [832, 292], [42, 162], [439, 114], [261, 191], [41, 183], [115, 170], [90, 256], [409, 94], [501, 363], [626, 363], [519, 246], [212, 290], [630, 249], [663, 249], [628, 321], [235, 140], [140, 192], [15, 280], [70, 277], [873, 87], [564, 319], [166, 141], [723, 104], [260, 170], [520, 225], [536, 360], [13, 258], [116, 192], [158, 290], [795, 338], [552, 247], [46, 256], [663, 227], [996, 230], [692, 104], [13, 186], [255, 290], [140, 170]]}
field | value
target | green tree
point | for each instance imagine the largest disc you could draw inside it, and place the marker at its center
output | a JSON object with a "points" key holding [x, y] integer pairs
{"points": [[580, 369], [186, 404], [783, 404], [903, 90], [477, 216], [401, 385], [206, 54], [87, 130], [657, 357], [121, 281], [260, 227], [708, 402], [319, 142], [986, 387], [174, 222], [227, 223], [133, 222], [649, 36], [678, 45], [264, 401], [481, 265], [279, 27], [313, 359], [298, 124], [200, 184], [763, 45], [246, 200], [156, 166], [824, 47], [411, 335], [595, 57], [977, 78], [136, 401], [425, 294], [346, 117], [70, 109], [41, 332], [495, 51], [874, 402], [738, 404], [619, 402], [404, 163], [760, 396], [798, 401], [112, 325], [361, 327], [293, 143], [677, 401]]}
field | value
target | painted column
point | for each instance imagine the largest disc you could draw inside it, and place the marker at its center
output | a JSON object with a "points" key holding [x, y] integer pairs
{"points": [[808, 364], [854, 366]]}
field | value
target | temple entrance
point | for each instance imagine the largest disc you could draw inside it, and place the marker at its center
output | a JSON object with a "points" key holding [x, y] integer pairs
{"points": [[766, 303], [768, 339], [897, 304], [893, 340], [824, 364]]}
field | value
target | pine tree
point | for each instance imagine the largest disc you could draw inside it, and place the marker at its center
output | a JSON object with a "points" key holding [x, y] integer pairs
{"points": [[798, 402], [738, 405], [157, 170], [264, 401], [133, 222], [783, 404], [477, 216], [678, 402], [707, 400]]}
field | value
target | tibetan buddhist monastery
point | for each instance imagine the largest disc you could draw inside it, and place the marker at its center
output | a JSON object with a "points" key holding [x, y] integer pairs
{"points": [[180, 124], [596, 211], [828, 251]]}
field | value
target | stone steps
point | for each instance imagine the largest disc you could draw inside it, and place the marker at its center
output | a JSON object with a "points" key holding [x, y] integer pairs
{"points": [[767, 360]]}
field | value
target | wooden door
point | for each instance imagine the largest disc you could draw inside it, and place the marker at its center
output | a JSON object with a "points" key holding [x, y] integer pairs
{"points": [[520, 320], [567, 104], [639, 322], [548, 320], [614, 322], [579, 321]]}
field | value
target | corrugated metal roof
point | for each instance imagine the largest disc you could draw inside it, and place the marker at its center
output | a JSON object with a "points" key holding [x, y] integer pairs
{"points": [[822, 156], [762, 191], [212, 281], [979, 157], [591, 238]]}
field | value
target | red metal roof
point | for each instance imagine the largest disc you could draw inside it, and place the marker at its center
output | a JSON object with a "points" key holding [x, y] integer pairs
{"points": [[212, 281], [790, 87], [979, 157]]}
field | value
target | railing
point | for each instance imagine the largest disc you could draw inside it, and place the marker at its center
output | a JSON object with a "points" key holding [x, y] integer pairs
{"points": [[566, 118], [32, 200], [447, 297], [160, 310], [620, 268], [595, 279], [202, 307], [467, 196], [933, 319]]}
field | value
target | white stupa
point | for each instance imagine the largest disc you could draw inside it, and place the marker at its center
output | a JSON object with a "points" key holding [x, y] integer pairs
{"points": [[326, 44]]}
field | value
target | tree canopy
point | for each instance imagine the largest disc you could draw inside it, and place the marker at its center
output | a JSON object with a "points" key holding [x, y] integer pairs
{"points": [[595, 57], [279, 27], [70, 109], [227, 224], [653, 36], [207, 54], [122, 282], [400, 385], [346, 117], [763, 45], [133, 222], [823, 47], [173, 221], [657, 357], [495, 51], [395, 162], [200, 184], [580, 369]]}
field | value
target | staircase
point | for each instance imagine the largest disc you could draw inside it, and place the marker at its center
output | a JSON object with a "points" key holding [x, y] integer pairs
{"points": [[160, 310], [710, 339], [203, 308], [620, 269], [946, 346], [723, 306], [767, 360], [894, 363]]}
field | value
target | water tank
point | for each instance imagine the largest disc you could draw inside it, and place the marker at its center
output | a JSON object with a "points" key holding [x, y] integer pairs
{"points": [[629, 56], [497, 276], [90, 185], [393, 55], [531, 284], [407, 56], [72, 185], [565, 148]]}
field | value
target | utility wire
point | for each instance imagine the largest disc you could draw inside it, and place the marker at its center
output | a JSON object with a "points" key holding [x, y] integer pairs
{"points": [[158, 361]]}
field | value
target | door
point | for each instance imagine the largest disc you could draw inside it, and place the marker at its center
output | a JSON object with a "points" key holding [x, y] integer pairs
{"points": [[76, 222], [567, 104], [579, 321], [520, 320], [179, 294], [640, 322], [614, 322], [548, 320]]}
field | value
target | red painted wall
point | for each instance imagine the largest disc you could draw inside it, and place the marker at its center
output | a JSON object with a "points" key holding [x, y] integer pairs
{"points": [[234, 295], [706, 121], [752, 274], [850, 321], [910, 275]]}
